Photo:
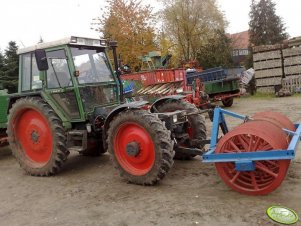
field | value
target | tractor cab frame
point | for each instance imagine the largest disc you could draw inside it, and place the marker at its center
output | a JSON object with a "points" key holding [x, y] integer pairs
{"points": [[74, 75]]}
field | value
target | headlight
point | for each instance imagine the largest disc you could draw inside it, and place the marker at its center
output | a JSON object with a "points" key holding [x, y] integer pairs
{"points": [[175, 118]]}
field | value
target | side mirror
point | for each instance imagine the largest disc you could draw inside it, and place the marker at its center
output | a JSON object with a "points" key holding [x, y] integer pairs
{"points": [[41, 59]]}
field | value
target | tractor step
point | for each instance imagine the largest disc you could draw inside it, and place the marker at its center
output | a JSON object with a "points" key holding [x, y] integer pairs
{"points": [[77, 140]]}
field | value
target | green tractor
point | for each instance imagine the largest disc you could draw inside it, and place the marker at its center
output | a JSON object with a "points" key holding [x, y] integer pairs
{"points": [[70, 99]]}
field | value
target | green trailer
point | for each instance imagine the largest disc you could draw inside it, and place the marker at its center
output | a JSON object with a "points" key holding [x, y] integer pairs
{"points": [[223, 90], [223, 86], [220, 84]]}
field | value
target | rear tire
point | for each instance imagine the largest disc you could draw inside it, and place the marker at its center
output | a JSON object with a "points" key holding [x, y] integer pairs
{"points": [[36, 137], [197, 124], [151, 144]]}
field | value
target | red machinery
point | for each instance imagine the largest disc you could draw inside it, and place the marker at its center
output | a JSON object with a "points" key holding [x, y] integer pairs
{"points": [[162, 82]]}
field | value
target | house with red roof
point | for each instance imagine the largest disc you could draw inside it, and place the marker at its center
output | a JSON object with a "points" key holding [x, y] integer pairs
{"points": [[240, 45]]}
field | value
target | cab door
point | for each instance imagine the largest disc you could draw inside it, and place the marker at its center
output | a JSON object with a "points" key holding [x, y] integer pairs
{"points": [[59, 85]]}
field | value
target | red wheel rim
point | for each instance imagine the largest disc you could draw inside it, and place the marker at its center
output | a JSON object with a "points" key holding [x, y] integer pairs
{"points": [[33, 133], [253, 136], [141, 163]]}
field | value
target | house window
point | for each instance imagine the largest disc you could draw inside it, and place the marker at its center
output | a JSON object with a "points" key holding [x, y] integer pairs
{"points": [[240, 52]]}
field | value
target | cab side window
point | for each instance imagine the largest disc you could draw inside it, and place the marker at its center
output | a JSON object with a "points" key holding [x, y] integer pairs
{"points": [[36, 83], [58, 74], [30, 73], [26, 71]]}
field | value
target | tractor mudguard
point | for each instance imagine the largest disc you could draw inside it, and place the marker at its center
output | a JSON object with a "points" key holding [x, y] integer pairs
{"points": [[164, 99], [14, 97], [122, 107]]}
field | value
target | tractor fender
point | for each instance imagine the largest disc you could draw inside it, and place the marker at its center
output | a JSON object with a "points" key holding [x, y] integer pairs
{"points": [[120, 108], [165, 99], [14, 97]]}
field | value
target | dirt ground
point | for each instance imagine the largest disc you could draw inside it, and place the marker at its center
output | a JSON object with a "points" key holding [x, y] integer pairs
{"points": [[89, 191]]}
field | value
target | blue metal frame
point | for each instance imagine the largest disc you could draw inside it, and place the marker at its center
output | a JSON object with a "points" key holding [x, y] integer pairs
{"points": [[244, 160]]}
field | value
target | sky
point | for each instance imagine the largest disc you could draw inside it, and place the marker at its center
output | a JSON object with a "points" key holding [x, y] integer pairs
{"points": [[25, 21]]}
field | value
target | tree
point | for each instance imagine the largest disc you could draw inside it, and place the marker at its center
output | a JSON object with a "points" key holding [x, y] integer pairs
{"points": [[1, 60], [191, 25], [131, 24], [10, 69], [1, 68], [217, 52], [265, 27], [166, 47]]}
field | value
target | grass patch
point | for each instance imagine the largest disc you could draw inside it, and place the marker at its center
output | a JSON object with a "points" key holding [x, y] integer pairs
{"points": [[259, 95], [297, 95]]}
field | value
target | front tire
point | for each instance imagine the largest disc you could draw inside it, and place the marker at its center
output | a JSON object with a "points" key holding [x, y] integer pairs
{"points": [[36, 137], [140, 147]]}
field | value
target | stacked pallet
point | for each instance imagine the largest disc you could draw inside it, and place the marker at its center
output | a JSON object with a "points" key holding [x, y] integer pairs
{"points": [[292, 66], [292, 83], [268, 67]]}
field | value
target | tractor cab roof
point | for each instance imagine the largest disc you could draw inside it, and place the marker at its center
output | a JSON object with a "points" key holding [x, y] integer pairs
{"points": [[80, 41]]}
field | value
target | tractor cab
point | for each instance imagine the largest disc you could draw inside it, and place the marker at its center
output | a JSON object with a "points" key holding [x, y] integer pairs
{"points": [[74, 74]]}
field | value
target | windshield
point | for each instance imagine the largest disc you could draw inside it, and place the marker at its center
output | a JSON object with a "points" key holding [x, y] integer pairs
{"points": [[92, 65]]}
